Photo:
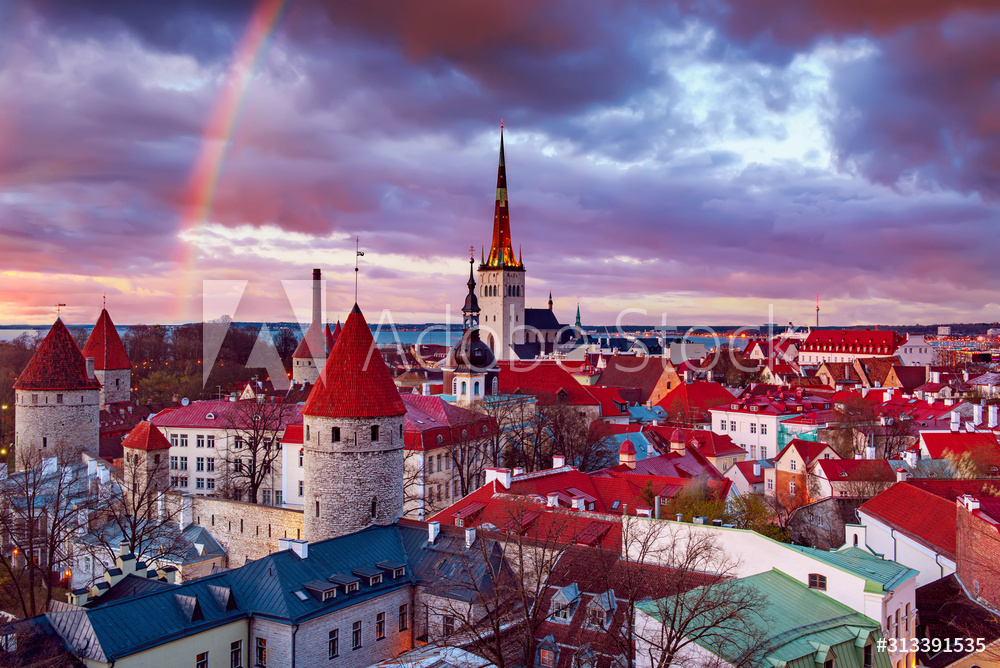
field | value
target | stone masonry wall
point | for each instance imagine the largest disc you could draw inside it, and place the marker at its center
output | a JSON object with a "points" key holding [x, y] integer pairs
{"points": [[67, 427], [978, 555], [110, 392], [344, 477], [305, 370], [247, 531], [312, 640]]}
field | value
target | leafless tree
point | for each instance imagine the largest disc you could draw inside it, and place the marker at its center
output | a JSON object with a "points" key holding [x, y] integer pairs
{"points": [[699, 600], [869, 479], [498, 617], [253, 428], [42, 507], [558, 428], [134, 512]]}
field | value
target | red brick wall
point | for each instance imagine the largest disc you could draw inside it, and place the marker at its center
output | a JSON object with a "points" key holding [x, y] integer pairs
{"points": [[978, 556]]}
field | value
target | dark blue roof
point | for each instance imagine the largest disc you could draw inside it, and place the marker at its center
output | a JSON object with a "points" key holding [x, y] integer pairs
{"points": [[265, 587]]}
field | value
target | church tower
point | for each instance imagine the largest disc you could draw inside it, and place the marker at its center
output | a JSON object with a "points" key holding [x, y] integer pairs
{"points": [[470, 368], [111, 363], [352, 439], [501, 279], [56, 397]]}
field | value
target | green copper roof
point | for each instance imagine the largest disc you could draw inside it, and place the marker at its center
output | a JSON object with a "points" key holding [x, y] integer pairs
{"points": [[803, 625], [888, 574]]}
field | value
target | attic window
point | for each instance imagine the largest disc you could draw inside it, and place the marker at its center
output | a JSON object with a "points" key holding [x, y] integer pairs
{"points": [[817, 581], [328, 595], [301, 595], [209, 416], [398, 572], [351, 587]]}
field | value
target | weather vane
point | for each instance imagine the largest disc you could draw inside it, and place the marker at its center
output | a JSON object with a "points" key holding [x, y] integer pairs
{"points": [[358, 253], [58, 306]]}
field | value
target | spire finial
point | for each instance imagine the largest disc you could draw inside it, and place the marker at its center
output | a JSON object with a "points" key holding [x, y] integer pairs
{"points": [[357, 253], [58, 306], [501, 124]]}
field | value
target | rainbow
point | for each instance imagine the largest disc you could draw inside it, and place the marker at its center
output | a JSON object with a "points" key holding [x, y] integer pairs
{"points": [[217, 140]]}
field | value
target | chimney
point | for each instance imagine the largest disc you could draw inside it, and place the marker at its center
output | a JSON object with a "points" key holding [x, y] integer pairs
{"points": [[977, 414], [90, 368], [656, 506], [700, 520], [930, 400], [433, 529], [643, 511], [869, 452], [687, 375], [518, 471], [970, 502], [935, 376], [299, 547], [927, 373], [502, 476], [317, 297], [901, 474], [78, 596], [711, 376], [578, 503], [91, 468], [284, 544], [123, 548], [993, 417], [864, 392], [956, 421], [558, 461], [911, 456], [552, 500], [680, 517], [470, 537], [187, 511], [756, 469]]}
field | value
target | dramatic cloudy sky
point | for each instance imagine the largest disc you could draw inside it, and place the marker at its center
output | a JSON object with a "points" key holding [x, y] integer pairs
{"points": [[707, 160]]}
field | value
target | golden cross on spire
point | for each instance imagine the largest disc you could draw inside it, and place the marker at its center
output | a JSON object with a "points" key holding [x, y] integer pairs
{"points": [[472, 253]]}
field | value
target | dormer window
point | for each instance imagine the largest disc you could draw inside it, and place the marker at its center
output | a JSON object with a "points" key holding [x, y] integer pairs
{"points": [[330, 595], [351, 587], [209, 416]]}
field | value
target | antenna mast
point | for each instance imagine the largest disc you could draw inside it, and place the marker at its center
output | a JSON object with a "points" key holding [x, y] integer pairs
{"points": [[817, 310]]}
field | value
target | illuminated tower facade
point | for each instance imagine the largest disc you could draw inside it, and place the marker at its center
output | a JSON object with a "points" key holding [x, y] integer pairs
{"points": [[501, 279]]}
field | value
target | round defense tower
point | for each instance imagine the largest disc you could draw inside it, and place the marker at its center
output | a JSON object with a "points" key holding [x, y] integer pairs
{"points": [[56, 402], [352, 439]]}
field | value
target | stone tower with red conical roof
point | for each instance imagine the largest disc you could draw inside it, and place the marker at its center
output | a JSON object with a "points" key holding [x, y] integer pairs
{"points": [[144, 465], [352, 439], [501, 279], [57, 396], [111, 363], [310, 355]]}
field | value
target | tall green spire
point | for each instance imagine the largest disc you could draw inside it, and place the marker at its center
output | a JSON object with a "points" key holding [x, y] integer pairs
{"points": [[578, 325]]}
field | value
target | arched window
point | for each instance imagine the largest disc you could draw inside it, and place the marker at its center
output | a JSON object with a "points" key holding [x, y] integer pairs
{"points": [[374, 507], [465, 388], [496, 379], [475, 388]]}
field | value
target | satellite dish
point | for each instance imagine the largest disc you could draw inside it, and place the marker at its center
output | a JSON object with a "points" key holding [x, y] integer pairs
{"points": [[185, 401]]}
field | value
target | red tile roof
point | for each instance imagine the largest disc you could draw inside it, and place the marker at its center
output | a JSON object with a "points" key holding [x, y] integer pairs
{"points": [[746, 468], [807, 451], [852, 341], [105, 346], [58, 364], [225, 414], [313, 343], [642, 373], [548, 381], [694, 399], [959, 443], [355, 381], [145, 436], [709, 443], [925, 509], [612, 404], [428, 417]]}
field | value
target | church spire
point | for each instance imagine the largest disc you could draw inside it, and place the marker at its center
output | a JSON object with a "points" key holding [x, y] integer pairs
{"points": [[578, 325], [470, 311], [501, 249]]}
